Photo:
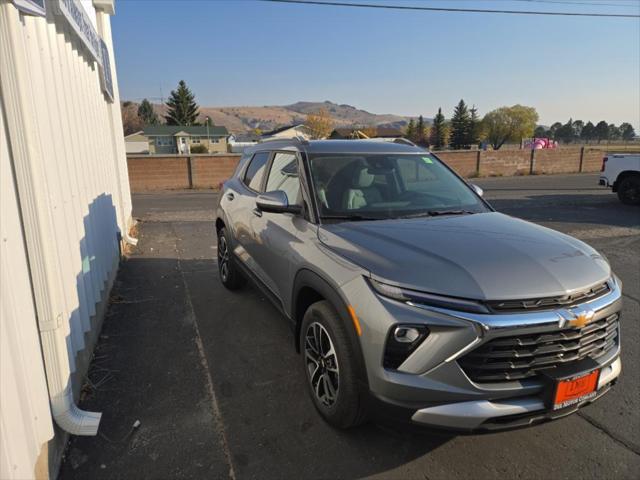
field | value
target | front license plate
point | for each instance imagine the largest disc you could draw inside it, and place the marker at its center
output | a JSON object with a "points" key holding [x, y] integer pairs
{"points": [[575, 390]]}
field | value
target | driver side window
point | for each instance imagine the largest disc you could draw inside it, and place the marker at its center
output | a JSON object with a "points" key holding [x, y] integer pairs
{"points": [[284, 176]]}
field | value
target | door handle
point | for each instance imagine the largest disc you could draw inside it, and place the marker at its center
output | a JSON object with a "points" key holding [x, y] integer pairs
{"points": [[230, 196], [257, 212]]}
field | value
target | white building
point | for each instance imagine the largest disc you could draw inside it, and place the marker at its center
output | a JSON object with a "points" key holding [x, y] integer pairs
{"points": [[65, 215]]}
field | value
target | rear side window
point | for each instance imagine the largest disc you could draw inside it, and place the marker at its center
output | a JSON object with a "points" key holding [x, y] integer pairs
{"points": [[255, 171]]}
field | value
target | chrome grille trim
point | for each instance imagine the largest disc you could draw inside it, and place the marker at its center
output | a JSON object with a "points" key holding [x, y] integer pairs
{"points": [[524, 356], [548, 303]]}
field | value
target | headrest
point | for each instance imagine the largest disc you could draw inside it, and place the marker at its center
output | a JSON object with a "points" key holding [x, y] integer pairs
{"points": [[363, 178]]}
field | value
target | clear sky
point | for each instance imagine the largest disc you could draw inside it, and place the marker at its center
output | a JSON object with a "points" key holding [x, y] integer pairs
{"points": [[243, 52]]}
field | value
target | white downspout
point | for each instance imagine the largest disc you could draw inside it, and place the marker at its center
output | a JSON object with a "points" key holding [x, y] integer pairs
{"points": [[26, 156]]}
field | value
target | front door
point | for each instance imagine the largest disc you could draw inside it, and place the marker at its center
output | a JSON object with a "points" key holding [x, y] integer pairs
{"points": [[278, 235]]}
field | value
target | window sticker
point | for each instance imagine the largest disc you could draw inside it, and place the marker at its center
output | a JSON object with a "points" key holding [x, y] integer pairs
{"points": [[427, 160]]}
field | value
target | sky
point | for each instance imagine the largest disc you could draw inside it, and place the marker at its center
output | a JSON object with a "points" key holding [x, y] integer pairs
{"points": [[246, 52]]}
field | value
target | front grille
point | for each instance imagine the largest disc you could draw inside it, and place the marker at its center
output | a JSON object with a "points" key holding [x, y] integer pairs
{"points": [[500, 306], [524, 356]]}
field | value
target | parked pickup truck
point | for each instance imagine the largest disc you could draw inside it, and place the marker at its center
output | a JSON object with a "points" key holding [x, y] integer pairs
{"points": [[621, 172]]}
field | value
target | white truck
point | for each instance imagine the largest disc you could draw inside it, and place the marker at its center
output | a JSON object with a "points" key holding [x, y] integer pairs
{"points": [[621, 172]]}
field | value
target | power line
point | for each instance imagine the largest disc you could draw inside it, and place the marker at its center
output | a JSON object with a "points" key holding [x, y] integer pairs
{"points": [[568, 2], [455, 10]]}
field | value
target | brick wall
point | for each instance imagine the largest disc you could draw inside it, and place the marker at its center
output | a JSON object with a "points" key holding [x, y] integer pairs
{"points": [[464, 162], [173, 172], [523, 162]]}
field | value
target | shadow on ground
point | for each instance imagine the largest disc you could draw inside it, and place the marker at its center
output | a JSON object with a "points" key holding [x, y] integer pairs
{"points": [[148, 367]]}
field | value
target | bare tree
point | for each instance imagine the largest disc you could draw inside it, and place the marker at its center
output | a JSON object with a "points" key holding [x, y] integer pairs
{"points": [[131, 122]]}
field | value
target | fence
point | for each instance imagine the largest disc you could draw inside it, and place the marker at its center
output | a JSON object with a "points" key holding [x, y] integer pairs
{"points": [[171, 172]]}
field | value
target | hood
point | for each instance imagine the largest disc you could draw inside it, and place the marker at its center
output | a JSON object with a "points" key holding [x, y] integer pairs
{"points": [[484, 256]]}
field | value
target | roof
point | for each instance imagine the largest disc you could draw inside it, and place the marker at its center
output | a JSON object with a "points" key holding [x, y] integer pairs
{"points": [[282, 129], [338, 146], [139, 132], [156, 130]]}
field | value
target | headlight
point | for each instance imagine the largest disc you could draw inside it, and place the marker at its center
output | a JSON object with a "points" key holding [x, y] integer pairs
{"points": [[430, 299]]}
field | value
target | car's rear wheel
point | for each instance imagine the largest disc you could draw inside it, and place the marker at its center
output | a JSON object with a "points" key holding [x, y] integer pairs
{"points": [[629, 190], [329, 359], [230, 275]]}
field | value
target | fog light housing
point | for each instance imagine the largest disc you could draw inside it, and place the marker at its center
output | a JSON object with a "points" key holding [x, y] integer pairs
{"points": [[402, 342]]}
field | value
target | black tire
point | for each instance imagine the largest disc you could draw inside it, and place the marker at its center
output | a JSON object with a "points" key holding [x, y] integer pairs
{"points": [[629, 190], [348, 406], [230, 275]]}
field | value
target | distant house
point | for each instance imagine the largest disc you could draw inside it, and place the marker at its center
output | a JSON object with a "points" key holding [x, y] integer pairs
{"points": [[290, 131], [177, 139], [362, 132], [136, 143]]}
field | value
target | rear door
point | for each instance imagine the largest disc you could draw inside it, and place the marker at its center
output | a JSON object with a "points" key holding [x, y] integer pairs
{"points": [[239, 204]]}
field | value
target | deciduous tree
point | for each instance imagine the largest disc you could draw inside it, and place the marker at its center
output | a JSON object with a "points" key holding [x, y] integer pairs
{"points": [[320, 124], [602, 131], [509, 124], [627, 132], [131, 122], [181, 106]]}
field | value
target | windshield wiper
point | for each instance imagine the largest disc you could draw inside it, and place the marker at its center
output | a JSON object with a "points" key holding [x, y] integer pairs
{"points": [[352, 218], [435, 213]]}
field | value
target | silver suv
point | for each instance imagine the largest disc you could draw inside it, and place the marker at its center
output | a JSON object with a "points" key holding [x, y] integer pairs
{"points": [[406, 290]]}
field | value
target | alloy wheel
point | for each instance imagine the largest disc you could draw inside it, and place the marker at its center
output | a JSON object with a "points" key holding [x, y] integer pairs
{"points": [[322, 364], [223, 258]]}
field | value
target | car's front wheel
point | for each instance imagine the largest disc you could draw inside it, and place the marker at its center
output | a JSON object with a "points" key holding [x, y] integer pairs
{"points": [[629, 190], [330, 364], [230, 275]]}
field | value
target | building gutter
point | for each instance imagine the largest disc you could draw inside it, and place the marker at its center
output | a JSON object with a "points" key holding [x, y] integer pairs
{"points": [[26, 155]]}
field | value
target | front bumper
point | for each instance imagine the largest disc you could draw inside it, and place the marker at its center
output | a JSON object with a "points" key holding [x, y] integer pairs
{"points": [[431, 388], [519, 411]]}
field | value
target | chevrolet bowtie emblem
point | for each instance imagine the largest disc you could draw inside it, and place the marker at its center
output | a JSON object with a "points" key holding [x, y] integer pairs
{"points": [[576, 318]]}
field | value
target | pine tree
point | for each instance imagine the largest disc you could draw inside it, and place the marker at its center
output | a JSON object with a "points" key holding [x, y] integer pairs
{"points": [[460, 126], [146, 113], [410, 132], [474, 127], [181, 106], [421, 132], [438, 131]]}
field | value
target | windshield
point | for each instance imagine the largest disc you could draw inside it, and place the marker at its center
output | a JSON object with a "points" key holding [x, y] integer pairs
{"points": [[361, 186]]}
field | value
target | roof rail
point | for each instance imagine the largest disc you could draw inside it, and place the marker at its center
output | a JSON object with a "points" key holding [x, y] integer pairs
{"points": [[298, 139], [404, 141]]}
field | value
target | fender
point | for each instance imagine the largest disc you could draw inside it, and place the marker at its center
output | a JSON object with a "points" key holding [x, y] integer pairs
{"points": [[308, 278]]}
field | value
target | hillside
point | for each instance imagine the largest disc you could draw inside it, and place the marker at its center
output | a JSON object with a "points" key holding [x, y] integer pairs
{"points": [[240, 120]]}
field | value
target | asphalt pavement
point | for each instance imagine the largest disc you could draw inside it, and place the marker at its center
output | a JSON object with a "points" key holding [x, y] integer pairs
{"points": [[219, 390]]}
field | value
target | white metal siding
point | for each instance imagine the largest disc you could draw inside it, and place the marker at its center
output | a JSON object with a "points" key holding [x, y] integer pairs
{"points": [[25, 420], [74, 143]]}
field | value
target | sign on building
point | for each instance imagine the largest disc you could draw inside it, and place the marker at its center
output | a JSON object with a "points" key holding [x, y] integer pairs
{"points": [[81, 24], [106, 80]]}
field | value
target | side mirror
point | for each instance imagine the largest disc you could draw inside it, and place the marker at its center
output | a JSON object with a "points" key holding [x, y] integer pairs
{"points": [[477, 189], [276, 202]]}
